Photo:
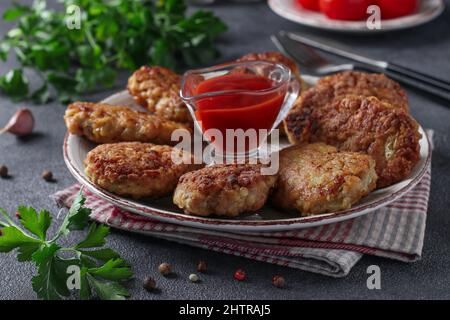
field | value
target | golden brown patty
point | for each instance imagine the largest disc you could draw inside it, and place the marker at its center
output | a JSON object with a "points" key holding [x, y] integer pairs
{"points": [[136, 169], [103, 123], [157, 89], [390, 135], [316, 178], [226, 190], [365, 84], [272, 56]]}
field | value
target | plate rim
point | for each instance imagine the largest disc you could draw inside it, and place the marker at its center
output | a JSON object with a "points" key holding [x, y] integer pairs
{"points": [[399, 23], [241, 225]]}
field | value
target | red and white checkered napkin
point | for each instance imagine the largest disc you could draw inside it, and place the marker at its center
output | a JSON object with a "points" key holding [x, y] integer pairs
{"points": [[395, 231]]}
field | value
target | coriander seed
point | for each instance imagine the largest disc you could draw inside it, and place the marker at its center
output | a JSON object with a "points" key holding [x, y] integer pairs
{"points": [[165, 269], [3, 171], [278, 281], [193, 277], [149, 284], [47, 175], [202, 266]]}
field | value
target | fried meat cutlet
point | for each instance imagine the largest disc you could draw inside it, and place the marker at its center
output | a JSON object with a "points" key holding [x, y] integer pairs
{"points": [[367, 85], [316, 178], [103, 123], [363, 124], [157, 89], [273, 56], [136, 169], [226, 190]]}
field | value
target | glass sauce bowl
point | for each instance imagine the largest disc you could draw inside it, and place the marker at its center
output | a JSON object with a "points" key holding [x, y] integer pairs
{"points": [[237, 105]]}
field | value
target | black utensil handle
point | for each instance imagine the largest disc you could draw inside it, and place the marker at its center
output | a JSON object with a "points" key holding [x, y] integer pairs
{"points": [[419, 76], [443, 94]]}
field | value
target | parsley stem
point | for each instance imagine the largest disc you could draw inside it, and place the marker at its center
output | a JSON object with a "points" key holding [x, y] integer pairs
{"points": [[8, 219]]}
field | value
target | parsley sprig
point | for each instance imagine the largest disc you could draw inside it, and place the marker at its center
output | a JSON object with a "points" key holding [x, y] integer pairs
{"points": [[112, 35], [101, 270]]}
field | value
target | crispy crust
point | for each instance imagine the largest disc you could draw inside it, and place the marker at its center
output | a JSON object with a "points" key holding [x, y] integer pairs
{"points": [[367, 85], [316, 178], [273, 57], [103, 123], [354, 123], [223, 190], [157, 89], [136, 169]]}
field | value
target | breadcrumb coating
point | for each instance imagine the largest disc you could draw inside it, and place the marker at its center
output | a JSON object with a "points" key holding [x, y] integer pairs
{"points": [[316, 178], [157, 89], [367, 85], [103, 123], [225, 190], [136, 169], [363, 124]]}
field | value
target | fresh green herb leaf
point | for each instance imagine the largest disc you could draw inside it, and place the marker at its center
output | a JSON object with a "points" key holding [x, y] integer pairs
{"points": [[37, 224], [13, 238], [101, 254], [14, 12], [51, 281], [76, 58], [95, 237], [14, 84], [5, 47], [115, 269], [107, 290], [101, 271], [41, 95], [78, 216]]}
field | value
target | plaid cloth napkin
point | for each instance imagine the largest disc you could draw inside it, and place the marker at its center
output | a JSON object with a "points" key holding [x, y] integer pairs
{"points": [[395, 231]]}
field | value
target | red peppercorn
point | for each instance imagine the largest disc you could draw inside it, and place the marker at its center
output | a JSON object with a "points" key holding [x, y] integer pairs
{"points": [[239, 275], [278, 281]]}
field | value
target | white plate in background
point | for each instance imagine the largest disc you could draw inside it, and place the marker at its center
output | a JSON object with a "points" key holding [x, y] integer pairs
{"points": [[289, 9]]}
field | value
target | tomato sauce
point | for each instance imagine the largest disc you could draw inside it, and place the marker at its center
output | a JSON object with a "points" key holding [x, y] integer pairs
{"points": [[238, 110]]}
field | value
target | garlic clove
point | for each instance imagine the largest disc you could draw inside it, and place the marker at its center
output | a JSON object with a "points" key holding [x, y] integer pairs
{"points": [[20, 124]]}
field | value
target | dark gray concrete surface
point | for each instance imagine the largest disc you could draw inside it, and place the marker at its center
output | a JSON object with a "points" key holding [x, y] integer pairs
{"points": [[426, 48]]}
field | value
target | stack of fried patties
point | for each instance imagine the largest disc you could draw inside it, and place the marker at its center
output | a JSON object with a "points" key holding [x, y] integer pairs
{"points": [[352, 134]]}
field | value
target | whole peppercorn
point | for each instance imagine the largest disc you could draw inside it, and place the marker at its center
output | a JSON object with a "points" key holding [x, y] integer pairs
{"points": [[278, 281], [149, 284], [193, 277], [240, 275], [165, 269], [202, 266], [3, 171], [47, 175]]}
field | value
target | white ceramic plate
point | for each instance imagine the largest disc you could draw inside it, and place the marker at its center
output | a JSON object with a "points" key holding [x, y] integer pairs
{"points": [[289, 9], [266, 219]]}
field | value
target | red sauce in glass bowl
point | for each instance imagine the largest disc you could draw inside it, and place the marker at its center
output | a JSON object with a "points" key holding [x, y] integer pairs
{"points": [[253, 108]]}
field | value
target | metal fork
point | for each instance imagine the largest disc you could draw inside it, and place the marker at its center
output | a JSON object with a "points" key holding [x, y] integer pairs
{"points": [[315, 64], [308, 58]]}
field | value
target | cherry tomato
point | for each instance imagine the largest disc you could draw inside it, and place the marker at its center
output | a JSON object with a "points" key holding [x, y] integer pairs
{"points": [[309, 4], [345, 9], [396, 8]]}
